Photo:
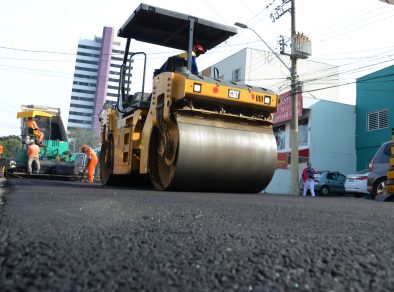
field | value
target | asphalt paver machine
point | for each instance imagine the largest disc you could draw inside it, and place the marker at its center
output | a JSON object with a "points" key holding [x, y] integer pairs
{"points": [[56, 157], [189, 132]]}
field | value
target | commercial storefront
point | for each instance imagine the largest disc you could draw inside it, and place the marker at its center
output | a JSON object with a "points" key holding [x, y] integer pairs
{"points": [[326, 132]]}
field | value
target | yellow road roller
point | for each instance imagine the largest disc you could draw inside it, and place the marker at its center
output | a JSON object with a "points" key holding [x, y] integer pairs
{"points": [[191, 132]]}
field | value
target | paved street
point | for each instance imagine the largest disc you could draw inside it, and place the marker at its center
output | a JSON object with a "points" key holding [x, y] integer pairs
{"points": [[69, 236]]}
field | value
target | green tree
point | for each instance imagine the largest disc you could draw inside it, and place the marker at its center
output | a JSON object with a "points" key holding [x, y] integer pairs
{"points": [[78, 137], [10, 145]]}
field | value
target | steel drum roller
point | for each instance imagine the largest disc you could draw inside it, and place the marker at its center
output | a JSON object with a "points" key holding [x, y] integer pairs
{"points": [[222, 156]]}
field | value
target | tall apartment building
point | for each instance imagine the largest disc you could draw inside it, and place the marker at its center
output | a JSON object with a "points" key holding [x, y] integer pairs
{"points": [[96, 79]]}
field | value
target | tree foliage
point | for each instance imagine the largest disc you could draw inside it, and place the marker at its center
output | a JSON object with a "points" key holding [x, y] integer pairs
{"points": [[10, 145], [78, 137]]}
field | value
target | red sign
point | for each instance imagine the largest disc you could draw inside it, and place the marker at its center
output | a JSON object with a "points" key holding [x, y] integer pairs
{"points": [[282, 161], [1, 149], [284, 112]]}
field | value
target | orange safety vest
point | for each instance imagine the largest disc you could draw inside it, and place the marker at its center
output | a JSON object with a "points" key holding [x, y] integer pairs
{"points": [[33, 150], [31, 124], [91, 154]]}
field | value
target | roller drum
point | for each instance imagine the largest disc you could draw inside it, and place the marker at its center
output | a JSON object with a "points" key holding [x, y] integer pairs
{"points": [[222, 158]]}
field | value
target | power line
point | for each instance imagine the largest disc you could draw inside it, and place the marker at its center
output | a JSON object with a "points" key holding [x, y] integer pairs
{"points": [[348, 83]]}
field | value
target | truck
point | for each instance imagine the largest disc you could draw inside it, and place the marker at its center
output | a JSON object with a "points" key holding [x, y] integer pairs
{"points": [[189, 132], [56, 157]]}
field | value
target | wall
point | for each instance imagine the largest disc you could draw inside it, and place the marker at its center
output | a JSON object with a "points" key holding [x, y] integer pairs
{"points": [[228, 65], [332, 132], [375, 92]]}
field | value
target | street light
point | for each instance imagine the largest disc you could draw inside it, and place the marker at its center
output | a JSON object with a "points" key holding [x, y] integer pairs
{"points": [[388, 1]]}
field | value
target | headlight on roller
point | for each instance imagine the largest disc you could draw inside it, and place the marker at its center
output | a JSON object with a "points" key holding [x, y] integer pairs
{"points": [[197, 87]]}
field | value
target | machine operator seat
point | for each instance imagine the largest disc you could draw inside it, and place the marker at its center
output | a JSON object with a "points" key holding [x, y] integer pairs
{"points": [[139, 100], [173, 63]]}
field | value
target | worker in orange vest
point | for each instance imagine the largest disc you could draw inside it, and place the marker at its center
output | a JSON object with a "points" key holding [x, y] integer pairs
{"points": [[91, 163], [33, 152], [30, 123]]}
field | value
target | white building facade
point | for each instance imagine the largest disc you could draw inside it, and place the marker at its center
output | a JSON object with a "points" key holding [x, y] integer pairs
{"points": [[96, 79], [326, 127]]}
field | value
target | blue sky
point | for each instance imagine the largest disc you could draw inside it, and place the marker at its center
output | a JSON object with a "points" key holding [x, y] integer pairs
{"points": [[39, 41]]}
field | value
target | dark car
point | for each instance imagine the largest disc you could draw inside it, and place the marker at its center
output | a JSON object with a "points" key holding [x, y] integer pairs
{"points": [[378, 167], [327, 182]]}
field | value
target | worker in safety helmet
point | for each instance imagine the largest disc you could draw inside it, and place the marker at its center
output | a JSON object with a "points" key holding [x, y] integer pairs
{"points": [[91, 162], [31, 124], [198, 49], [33, 151]]}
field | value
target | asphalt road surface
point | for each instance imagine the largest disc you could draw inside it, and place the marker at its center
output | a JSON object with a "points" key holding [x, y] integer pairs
{"points": [[70, 236]]}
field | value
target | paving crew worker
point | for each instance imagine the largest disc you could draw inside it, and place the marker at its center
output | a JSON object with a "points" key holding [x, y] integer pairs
{"points": [[198, 50], [30, 123], [33, 151], [308, 177], [91, 163]]}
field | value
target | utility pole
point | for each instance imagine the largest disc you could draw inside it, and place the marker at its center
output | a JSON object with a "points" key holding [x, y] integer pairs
{"points": [[294, 190], [300, 48]]}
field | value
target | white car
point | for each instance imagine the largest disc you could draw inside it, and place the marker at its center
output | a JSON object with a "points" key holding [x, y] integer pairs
{"points": [[357, 183]]}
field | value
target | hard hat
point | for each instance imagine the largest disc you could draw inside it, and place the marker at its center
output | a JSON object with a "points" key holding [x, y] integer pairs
{"points": [[198, 48], [83, 147]]}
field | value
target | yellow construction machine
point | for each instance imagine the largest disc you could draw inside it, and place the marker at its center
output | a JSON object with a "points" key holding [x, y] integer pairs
{"points": [[192, 132]]}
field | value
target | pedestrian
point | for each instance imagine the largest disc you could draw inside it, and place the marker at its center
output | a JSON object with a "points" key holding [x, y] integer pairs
{"points": [[35, 130], [308, 177], [33, 151], [91, 161], [198, 49]]}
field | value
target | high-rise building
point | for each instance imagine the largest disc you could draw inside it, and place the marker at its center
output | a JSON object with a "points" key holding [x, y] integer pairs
{"points": [[96, 79]]}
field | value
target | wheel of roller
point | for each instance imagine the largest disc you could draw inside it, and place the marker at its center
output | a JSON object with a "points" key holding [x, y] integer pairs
{"points": [[215, 157], [107, 162]]}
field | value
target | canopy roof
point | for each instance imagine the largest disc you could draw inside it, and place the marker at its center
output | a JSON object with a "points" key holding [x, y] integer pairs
{"points": [[32, 114], [171, 29]]}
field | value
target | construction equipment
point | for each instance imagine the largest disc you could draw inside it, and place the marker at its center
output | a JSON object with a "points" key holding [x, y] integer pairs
{"points": [[56, 159], [192, 132]]}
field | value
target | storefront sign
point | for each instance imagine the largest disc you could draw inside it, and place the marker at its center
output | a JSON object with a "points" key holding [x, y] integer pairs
{"points": [[282, 161], [284, 112]]}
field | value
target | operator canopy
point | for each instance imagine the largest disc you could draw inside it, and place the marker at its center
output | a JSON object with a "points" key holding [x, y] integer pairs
{"points": [[171, 29], [32, 114]]}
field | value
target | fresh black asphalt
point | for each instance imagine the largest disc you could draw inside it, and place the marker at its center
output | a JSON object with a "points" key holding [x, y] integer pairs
{"points": [[70, 236]]}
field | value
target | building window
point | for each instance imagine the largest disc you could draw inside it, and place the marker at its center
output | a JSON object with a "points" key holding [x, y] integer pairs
{"points": [[303, 132], [235, 75], [73, 105], [80, 114], [89, 47], [87, 62], [280, 136], [116, 58], [79, 121], [378, 120], [83, 91], [88, 55], [82, 98], [85, 69], [85, 76]]}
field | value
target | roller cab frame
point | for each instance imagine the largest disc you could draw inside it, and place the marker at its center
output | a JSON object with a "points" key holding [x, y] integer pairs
{"points": [[190, 132]]}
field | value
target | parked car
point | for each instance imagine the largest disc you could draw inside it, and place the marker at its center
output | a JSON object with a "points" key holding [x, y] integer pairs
{"points": [[327, 182], [380, 163], [357, 183]]}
